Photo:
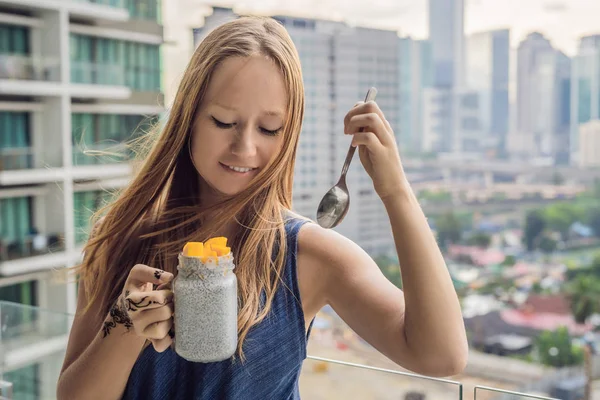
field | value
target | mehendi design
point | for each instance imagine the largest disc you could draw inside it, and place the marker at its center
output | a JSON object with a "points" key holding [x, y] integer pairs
{"points": [[119, 312], [137, 305], [117, 315]]}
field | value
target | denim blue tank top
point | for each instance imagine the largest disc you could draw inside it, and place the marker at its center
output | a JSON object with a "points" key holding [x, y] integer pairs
{"points": [[274, 350]]}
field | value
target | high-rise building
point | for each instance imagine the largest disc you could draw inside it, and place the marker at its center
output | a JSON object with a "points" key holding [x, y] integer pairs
{"points": [[589, 144], [585, 89], [551, 125], [487, 75], [529, 53], [543, 81], [446, 34], [416, 74], [437, 119], [339, 64]]}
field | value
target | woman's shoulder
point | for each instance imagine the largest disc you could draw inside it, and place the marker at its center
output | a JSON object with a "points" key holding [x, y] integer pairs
{"points": [[290, 216], [325, 247]]}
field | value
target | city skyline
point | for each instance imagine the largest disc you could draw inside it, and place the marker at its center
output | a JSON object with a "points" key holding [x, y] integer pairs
{"points": [[562, 22]]}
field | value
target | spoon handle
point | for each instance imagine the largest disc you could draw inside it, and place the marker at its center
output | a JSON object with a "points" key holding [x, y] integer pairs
{"points": [[370, 97]]}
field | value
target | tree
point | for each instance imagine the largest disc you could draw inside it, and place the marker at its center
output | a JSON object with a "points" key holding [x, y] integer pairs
{"points": [[556, 349], [449, 229], [584, 294], [480, 239], [561, 216], [594, 220], [537, 288], [547, 244], [509, 261], [534, 226]]}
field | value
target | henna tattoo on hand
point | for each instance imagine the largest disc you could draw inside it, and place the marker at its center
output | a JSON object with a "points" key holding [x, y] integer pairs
{"points": [[119, 312], [158, 273], [137, 305], [117, 315]]}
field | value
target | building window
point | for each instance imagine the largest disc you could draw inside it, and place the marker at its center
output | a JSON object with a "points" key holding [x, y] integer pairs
{"points": [[14, 39], [22, 293], [15, 214], [144, 9], [85, 204], [105, 132], [115, 62], [15, 141]]}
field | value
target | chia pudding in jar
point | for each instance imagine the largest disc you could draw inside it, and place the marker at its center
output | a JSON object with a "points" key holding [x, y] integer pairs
{"points": [[205, 297]]}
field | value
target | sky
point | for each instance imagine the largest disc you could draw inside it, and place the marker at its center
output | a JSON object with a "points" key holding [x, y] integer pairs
{"points": [[562, 21]]}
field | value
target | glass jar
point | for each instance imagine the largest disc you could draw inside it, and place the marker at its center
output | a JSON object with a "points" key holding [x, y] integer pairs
{"points": [[206, 309]]}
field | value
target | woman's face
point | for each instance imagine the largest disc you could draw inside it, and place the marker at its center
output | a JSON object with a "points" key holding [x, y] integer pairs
{"points": [[239, 126]]}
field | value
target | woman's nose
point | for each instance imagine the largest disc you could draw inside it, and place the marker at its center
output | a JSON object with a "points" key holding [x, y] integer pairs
{"points": [[244, 143]]}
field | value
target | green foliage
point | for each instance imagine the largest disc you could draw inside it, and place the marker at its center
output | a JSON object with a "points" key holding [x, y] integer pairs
{"points": [[560, 216], [556, 349], [547, 244], [584, 293], [593, 219], [480, 239], [509, 261], [449, 229], [496, 285], [390, 269], [537, 288], [534, 226], [437, 196]]}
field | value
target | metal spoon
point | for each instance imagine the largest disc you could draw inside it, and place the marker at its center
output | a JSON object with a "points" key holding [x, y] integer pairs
{"points": [[334, 205]]}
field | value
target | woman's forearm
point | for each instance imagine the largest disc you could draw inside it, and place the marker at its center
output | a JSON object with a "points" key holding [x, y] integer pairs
{"points": [[102, 370], [434, 327]]}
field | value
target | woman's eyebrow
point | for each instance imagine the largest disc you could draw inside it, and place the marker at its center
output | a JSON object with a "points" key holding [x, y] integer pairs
{"points": [[273, 113]]}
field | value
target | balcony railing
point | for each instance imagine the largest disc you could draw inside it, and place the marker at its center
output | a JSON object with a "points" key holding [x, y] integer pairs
{"points": [[500, 394], [26, 67], [31, 336], [98, 74], [110, 3], [138, 9], [30, 246], [16, 158]]}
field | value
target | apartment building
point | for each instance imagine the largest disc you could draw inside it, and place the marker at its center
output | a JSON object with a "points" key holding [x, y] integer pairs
{"points": [[77, 79]]}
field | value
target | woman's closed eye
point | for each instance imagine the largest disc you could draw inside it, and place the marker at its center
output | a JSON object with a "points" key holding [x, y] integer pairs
{"points": [[269, 132], [224, 125]]}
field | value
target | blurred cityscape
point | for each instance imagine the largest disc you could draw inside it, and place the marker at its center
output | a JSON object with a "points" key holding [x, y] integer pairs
{"points": [[501, 146]]}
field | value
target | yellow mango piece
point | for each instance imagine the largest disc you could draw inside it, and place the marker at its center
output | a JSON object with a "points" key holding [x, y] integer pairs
{"points": [[193, 249], [221, 250], [219, 241], [209, 254]]}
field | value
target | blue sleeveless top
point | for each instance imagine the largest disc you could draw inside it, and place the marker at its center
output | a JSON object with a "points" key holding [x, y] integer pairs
{"points": [[274, 350]]}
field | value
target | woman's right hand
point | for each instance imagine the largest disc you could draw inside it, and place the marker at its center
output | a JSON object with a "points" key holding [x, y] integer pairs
{"points": [[150, 311]]}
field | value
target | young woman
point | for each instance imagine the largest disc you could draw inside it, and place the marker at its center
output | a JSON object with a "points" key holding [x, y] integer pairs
{"points": [[223, 166]]}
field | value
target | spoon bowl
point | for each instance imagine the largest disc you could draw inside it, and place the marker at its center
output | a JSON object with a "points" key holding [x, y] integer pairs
{"points": [[336, 202]]}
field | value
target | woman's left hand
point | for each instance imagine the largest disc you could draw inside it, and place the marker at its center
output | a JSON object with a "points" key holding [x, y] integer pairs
{"points": [[376, 147]]}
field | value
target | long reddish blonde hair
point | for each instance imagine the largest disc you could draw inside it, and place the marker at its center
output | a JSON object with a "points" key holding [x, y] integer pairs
{"points": [[152, 219]]}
